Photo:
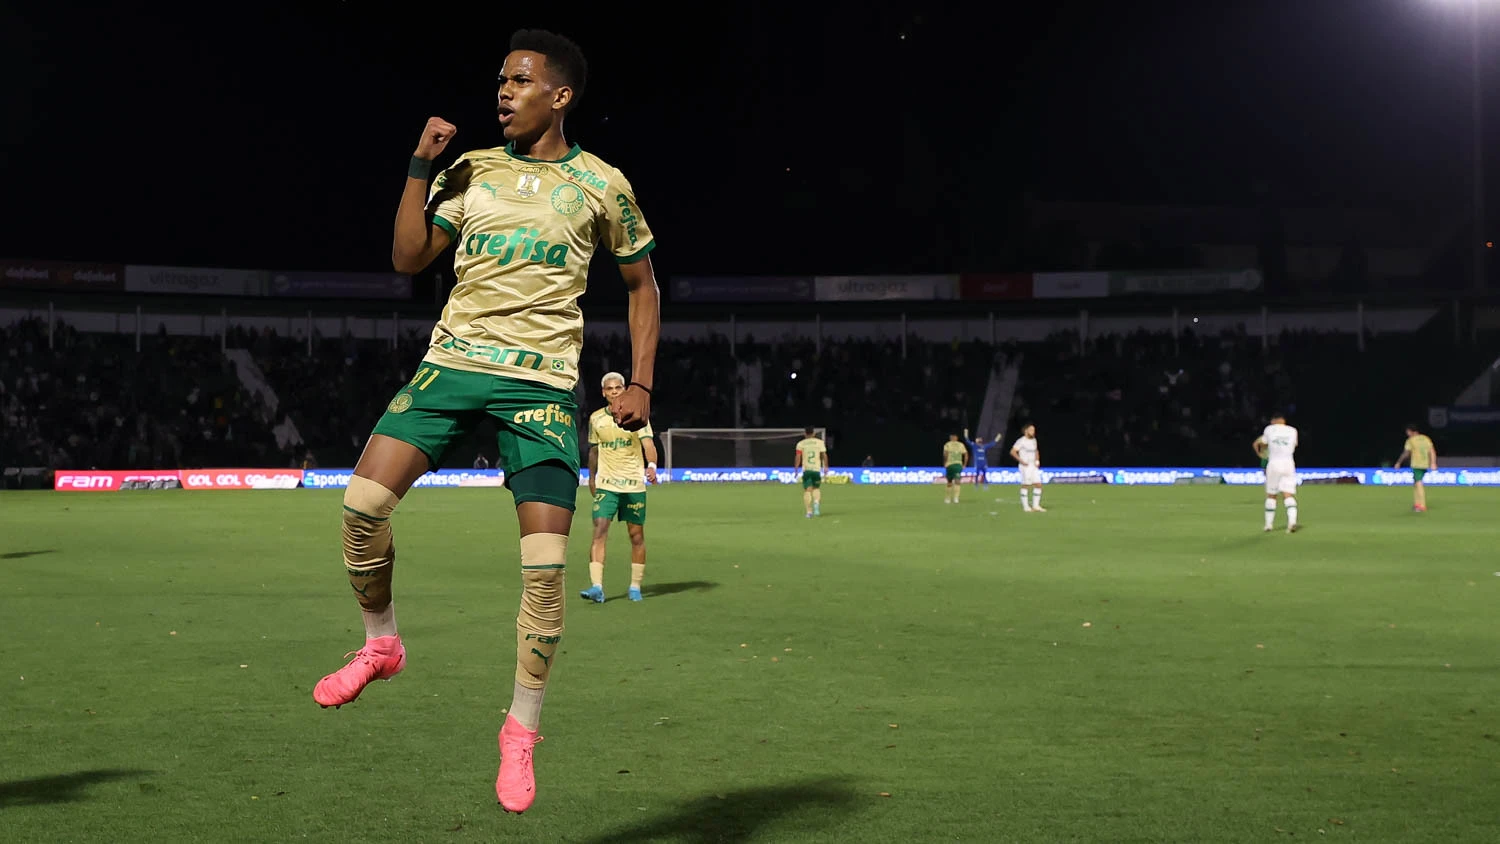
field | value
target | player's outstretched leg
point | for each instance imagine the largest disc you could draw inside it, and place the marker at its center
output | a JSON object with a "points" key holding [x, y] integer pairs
{"points": [[1270, 512], [539, 629], [637, 560], [544, 495], [386, 470]]}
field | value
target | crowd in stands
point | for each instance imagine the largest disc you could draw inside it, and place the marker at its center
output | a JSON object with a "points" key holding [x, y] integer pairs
{"points": [[93, 401], [87, 400]]}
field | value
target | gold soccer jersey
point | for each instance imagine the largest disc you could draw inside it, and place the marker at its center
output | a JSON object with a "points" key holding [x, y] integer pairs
{"points": [[812, 451], [1421, 451], [953, 453], [622, 467], [525, 231]]}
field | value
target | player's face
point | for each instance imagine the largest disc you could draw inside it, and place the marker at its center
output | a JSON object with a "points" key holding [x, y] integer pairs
{"points": [[528, 96], [613, 389], [1030, 431]]}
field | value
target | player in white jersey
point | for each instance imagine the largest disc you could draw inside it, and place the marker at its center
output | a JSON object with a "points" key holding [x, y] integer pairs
{"points": [[1029, 458], [1276, 446]]}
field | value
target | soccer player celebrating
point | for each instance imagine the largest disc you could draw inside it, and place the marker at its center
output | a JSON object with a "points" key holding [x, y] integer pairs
{"points": [[812, 457], [1029, 458], [526, 218], [955, 458], [1423, 456], [977, 448], [621, 463], [1276, 445]]}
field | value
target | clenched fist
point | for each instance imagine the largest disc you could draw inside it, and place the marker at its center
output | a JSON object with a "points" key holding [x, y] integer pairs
{"points": [[435, 138]]}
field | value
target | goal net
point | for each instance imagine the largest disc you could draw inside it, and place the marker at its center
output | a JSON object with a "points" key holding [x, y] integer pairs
{"points": [[696, 448]]}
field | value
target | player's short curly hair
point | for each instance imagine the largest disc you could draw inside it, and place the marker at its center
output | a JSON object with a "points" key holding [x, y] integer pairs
{"points": [[564, 57]]}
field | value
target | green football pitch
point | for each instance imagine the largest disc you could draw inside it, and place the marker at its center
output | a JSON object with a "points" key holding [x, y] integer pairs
{"points": [[1137, 664]]}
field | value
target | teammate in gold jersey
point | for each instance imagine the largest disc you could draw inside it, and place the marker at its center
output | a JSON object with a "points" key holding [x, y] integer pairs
{"points": [[621, 463], [526, 219], [812, 459]]}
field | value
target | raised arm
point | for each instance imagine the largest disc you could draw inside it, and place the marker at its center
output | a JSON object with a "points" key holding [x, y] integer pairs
{"points": [[417, 241]]}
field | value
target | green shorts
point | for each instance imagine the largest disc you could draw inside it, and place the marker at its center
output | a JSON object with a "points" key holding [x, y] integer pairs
{"points": [[954, 471], [1418, 474], [534, 423], [812, 480], [628, 507]]}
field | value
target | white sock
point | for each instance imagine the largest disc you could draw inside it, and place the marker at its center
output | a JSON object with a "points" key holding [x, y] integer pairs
{"points": [[1291, 511], [955, 493], [526, 706], [382, 623], [1025, 502], [1270, 512], [1036, 498]]}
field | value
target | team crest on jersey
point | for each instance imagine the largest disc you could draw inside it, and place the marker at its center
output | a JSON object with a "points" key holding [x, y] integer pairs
{"points": [[567, 199], [527, 185], [400, 403]]}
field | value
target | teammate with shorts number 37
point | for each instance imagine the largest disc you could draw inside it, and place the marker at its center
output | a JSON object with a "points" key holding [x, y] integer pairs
{"points": [[526, 219]]}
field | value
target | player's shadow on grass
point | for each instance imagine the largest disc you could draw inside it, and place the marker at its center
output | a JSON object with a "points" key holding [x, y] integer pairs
{"points": [[60, 788], [651, 589], [736, 816], [21, 555]]}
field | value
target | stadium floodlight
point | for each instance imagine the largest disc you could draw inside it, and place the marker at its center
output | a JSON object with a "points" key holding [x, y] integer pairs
{"points": [[1476, 94]]}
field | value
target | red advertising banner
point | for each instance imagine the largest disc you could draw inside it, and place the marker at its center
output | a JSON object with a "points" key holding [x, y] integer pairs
{"points": [[994, 286], [109, 481], [241, 478], [60, 275], [96, 481]]}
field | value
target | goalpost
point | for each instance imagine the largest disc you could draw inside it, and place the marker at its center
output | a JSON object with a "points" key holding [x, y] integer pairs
{"points": [[741, 448]]}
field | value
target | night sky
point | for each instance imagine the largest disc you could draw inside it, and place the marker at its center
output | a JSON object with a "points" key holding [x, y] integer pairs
{"points": [[832, 138]]}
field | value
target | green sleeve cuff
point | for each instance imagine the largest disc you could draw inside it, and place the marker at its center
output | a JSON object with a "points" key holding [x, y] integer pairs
{"points": [[638, 255], [446, 226]]}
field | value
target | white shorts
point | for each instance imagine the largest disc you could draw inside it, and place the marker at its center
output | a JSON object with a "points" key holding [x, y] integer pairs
{"points": [[1030, 475], [1281, 478]]}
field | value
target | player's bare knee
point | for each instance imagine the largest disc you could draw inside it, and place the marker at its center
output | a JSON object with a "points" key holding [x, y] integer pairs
{"points": [[637, 536], [601, 528]]}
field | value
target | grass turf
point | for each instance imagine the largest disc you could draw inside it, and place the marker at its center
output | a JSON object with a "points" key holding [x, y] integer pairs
{"points": [[896, 670]]}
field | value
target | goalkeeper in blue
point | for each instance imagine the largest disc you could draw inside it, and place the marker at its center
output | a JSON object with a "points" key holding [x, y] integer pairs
{"points": [[979, 449]]}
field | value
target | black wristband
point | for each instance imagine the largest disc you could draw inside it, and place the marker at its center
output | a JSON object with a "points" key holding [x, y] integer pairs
{"points": [[419, 168], [642, 386]]}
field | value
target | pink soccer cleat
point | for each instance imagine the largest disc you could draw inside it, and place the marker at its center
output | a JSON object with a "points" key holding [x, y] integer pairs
{"points": [[380, 659], [515, 787]]}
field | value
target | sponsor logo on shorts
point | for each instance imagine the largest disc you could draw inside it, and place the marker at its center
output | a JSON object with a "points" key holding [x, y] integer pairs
{"points": [[552, 413], [400, 403], [638, 505], [567, 199]]}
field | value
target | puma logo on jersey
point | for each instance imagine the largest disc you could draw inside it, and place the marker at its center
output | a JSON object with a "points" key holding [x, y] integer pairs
{"points": [[548, 432], [522, 245]]}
